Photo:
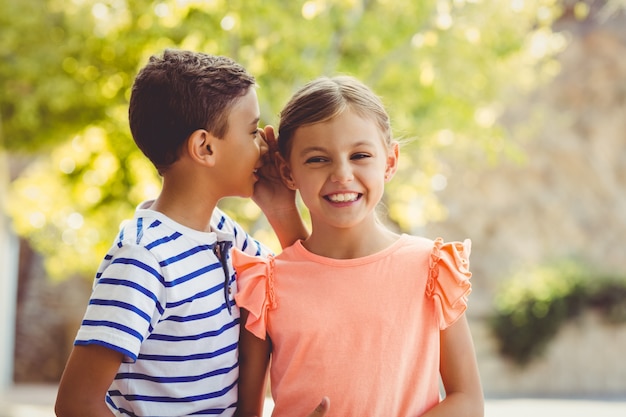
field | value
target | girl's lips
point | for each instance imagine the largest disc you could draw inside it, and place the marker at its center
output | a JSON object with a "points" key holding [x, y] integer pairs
{"points": [[346, 197]]}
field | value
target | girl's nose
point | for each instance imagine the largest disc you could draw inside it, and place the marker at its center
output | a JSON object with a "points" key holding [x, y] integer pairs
{"points": [[342, 173]]}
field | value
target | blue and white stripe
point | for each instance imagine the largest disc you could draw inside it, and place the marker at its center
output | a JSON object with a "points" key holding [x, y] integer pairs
{"points": [[159, 298]]}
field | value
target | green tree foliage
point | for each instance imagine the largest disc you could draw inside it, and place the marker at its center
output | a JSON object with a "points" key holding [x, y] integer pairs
{"points": [[533, 305], [441, 66]]}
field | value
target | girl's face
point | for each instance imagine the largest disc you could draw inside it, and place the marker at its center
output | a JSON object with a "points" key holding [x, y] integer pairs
{"points": [[340, 168]]}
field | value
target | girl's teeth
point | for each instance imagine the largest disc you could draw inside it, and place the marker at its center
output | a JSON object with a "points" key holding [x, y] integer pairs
{"points": [[341, 198]]}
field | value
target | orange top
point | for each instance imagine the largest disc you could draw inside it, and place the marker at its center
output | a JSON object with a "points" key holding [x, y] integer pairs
{"points": [[364, 332]]}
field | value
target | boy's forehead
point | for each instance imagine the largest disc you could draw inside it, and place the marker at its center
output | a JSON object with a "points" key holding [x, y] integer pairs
{"points": [[246, 108]]}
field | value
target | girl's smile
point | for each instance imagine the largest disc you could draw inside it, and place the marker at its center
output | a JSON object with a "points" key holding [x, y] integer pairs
{"points": [[340, 167], [343, 197]]}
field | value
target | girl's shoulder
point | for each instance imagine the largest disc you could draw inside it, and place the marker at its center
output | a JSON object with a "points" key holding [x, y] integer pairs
{"points": [[414, 245], [449, 279], [438, 245]]}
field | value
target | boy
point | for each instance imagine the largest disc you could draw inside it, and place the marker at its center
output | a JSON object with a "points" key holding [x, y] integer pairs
{"points": [[160, 334]]}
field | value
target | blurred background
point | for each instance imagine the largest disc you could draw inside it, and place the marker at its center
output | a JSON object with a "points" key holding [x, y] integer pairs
{"points": [[512, 115]]}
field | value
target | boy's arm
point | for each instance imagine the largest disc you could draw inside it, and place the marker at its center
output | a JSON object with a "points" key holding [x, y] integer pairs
{"points": [[278, 202], [254, 356], [87, 376], [459, 373]]}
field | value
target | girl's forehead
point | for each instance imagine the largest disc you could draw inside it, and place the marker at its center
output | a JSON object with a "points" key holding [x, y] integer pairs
{"points": [[348, 118], [345, 130]]}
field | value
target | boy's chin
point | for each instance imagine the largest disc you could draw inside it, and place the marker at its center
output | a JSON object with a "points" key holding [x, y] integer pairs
{"points": [[246, 193]]}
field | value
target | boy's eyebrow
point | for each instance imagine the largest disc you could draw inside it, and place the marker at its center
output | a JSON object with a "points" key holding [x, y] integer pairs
{"points": [[255, 121]]}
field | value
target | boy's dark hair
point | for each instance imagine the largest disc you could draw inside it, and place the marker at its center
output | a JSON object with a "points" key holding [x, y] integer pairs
{"points": [[179, 93]]}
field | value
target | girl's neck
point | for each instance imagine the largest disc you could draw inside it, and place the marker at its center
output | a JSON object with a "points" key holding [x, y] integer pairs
{"points": [[350, 243]]}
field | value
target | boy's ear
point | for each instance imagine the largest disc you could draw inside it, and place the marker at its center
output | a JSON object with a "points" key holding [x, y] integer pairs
{"points": [[285, 172], [201, 147], [392, 160]]}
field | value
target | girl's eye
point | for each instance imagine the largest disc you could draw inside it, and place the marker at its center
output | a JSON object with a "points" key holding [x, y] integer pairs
{"points": [[360, 156], [315, 159], [255, 132]]}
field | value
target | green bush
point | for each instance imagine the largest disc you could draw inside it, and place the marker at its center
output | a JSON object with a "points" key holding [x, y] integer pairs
{"points": [[532, 306]]}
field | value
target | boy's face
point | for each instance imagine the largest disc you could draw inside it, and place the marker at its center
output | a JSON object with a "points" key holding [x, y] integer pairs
{"points": [[241, 148]]}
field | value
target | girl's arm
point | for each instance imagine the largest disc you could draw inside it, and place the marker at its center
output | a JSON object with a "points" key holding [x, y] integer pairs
{"points": [[278, 202], [254, 356], [459, 372]]}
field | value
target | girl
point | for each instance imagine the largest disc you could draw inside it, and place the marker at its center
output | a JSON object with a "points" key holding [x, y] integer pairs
{"points": [[356, 312]]}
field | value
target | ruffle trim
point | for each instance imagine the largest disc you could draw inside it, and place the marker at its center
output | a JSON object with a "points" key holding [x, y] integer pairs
{"points": [[255, 289], [449, 280]]}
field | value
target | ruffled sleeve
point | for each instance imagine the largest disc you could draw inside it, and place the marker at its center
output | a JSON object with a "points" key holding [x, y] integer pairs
{"points": [[255, 290], [449, 280]]}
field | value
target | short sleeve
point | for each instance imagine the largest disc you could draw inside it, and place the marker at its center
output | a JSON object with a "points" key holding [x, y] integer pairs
{"points": [[118, 317], [254, 289], [449, 280]]}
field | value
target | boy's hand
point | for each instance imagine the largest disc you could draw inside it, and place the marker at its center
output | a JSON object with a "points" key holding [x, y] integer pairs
{"points": [[321, 409], [270, 193]]}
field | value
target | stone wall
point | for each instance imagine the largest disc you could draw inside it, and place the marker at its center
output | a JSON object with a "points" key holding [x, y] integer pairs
{"points": [[566, 199], [47, 318], [585, 359]]}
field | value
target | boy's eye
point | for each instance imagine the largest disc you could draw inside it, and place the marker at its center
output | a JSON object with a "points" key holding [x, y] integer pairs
{"points": [[360, 156], [255, 132]]}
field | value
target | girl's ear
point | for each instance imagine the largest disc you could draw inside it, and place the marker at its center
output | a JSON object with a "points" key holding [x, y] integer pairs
{"points": [[392, 160], [202, 147], [285, 172]]}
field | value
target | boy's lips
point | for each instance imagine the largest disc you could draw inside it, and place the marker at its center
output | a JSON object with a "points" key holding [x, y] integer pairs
{"points": [[345, 197]]}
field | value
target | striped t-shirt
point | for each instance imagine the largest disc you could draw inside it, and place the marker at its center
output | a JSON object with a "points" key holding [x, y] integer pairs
{"points": [[160, 298]]}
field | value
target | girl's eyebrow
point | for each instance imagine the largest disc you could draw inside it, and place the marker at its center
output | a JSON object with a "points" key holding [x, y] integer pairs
{"points": [[312, 149], [322, 149]]}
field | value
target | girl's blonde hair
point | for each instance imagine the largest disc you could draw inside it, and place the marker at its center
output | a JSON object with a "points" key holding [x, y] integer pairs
{"points": [[323, 99]]}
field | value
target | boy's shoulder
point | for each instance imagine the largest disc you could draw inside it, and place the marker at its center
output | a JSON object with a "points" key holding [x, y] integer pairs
{"points": [[147, 225], [226, 228], [154, 231], [143, 227], [223, 223]]}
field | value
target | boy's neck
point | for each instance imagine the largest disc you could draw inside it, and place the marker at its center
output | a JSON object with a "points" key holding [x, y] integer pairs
{"points": [[186, 204]]}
